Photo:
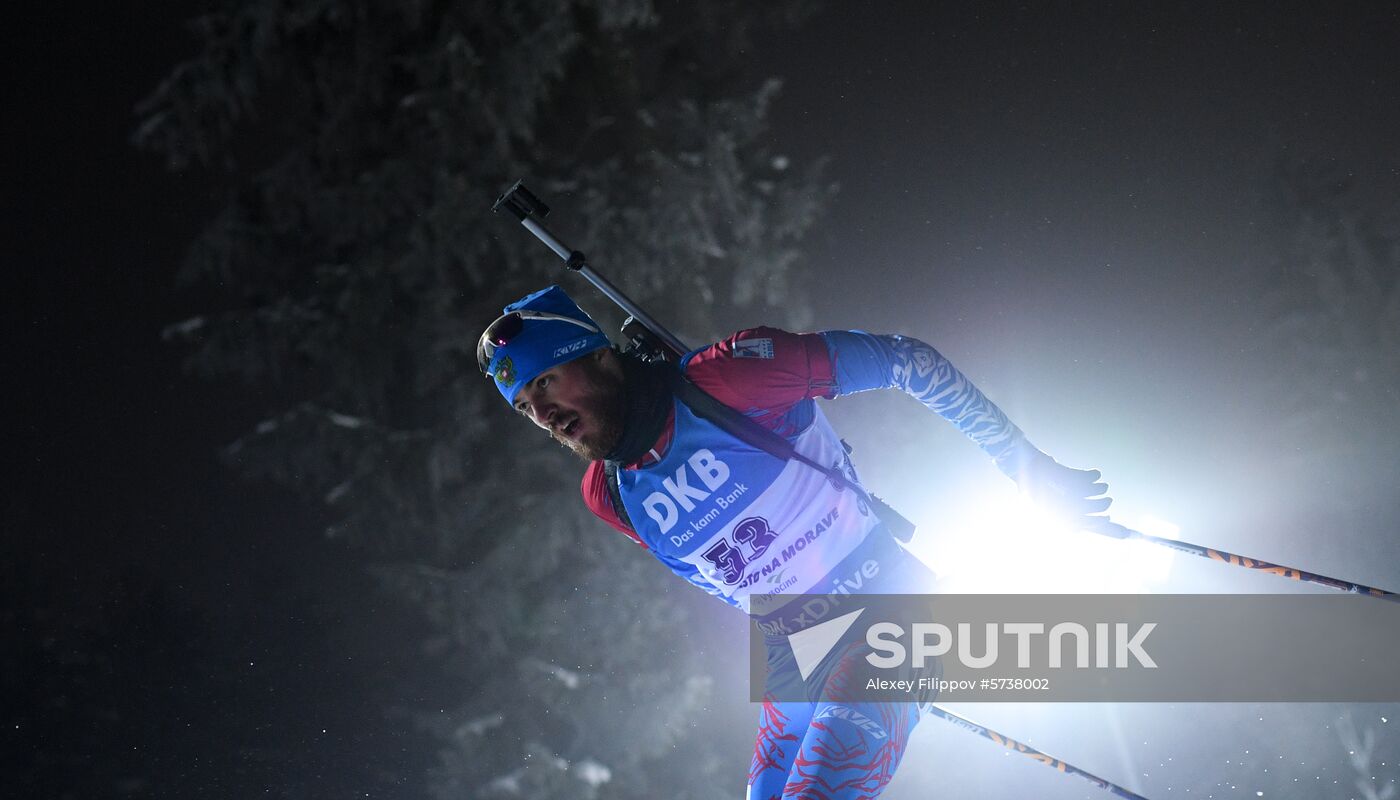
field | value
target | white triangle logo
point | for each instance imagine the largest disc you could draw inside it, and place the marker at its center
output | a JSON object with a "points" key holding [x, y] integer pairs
{"points": [[810, 646]]}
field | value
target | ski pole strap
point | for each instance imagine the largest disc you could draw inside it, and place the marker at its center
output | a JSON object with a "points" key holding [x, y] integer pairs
{"points": [[1044, 758]]}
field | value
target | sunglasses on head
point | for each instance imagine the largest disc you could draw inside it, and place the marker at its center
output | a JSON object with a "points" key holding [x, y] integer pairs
{"points": [[507, 327]]}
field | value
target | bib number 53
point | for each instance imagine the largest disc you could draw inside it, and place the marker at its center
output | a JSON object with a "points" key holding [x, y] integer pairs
{"points": [[729, 559]]}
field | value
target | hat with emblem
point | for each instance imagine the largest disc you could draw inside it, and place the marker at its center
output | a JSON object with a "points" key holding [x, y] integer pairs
{"points": [[537, 332]]}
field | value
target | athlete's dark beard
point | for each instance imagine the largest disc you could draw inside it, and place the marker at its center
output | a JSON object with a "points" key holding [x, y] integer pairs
{"points": [[606, 406]]}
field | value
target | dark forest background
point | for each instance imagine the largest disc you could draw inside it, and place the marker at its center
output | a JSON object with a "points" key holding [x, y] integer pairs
{"points": [[271, 534]]}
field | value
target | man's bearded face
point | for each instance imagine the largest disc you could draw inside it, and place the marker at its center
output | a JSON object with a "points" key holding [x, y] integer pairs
{"points": [[580, 403]]}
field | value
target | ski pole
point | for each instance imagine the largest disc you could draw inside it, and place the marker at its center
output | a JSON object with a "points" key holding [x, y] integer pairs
{"points": [[1116, 531], [1019, 747], [524, 206]]}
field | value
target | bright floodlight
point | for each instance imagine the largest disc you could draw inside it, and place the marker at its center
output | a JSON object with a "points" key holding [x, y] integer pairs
{"points": [[1004, 544]]}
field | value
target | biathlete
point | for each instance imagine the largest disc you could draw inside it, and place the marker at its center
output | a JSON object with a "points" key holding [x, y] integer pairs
{"points": [[738, 522]]}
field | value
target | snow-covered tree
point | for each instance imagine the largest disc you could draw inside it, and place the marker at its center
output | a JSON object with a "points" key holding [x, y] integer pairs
{"points": [[357, 260], [1333, 312], [1375, 776]]}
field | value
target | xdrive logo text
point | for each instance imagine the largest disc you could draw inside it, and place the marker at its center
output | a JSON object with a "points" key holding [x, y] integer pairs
{"points": [[815, 608]]}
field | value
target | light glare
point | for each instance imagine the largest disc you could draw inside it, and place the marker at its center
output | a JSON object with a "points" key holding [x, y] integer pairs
{"points": [[1004, 544]]}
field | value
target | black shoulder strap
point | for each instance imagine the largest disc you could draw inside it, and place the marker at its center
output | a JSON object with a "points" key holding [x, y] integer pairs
{"points": [[745, 429], [741, 427], [733, 423], [615, 494]]}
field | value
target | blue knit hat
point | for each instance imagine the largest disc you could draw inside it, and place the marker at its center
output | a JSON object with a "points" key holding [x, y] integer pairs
{"points": [[542, 343]]}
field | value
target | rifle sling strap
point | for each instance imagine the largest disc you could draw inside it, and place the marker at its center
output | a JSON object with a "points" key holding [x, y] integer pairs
{"points": [[732, 422]]}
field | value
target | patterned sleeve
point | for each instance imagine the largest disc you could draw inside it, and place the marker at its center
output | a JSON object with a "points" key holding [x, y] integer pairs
{"points": [[863, 361]]}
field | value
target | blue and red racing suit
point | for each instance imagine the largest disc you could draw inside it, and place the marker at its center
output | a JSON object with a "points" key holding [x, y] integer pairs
{"points": [[746, 526]]}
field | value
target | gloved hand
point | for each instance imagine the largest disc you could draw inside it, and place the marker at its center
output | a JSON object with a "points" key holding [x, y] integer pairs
{"points": [[1072, 495]]}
